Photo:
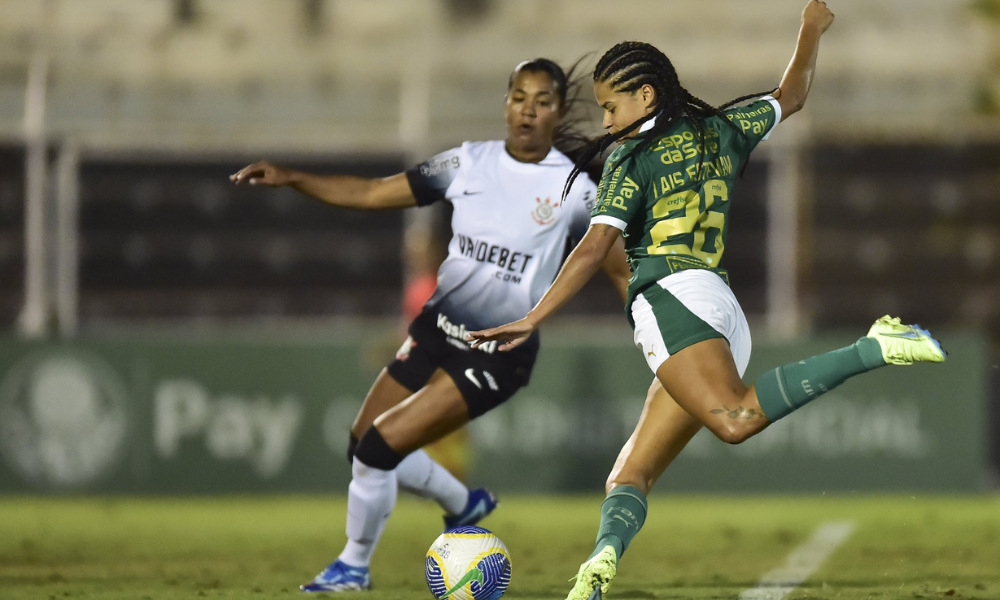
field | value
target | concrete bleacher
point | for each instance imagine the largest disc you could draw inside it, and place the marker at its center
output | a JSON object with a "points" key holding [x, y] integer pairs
{"points": [[335, 82]]}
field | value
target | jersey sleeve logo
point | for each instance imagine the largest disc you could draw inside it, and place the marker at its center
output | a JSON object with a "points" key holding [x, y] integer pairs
{"points": [[629, 187], [439, 163], [544, 212]]}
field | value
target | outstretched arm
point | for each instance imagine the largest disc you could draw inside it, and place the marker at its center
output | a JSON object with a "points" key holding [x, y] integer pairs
{"points": [[339, 190], [795, 83], [581, 265]]}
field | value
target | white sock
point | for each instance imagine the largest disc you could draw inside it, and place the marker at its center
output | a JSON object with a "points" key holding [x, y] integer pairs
{"points": [[420, 475], [370, 500]]}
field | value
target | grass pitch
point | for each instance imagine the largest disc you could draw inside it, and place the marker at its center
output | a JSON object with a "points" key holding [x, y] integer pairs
{"points": [[691, 547]]}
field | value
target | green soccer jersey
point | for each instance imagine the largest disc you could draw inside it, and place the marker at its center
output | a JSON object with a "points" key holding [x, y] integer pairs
{"points": [[674, 216]]}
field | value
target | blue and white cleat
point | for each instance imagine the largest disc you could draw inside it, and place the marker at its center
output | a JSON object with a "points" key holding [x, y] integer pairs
{"points": [[339, 577], [481, 503]]}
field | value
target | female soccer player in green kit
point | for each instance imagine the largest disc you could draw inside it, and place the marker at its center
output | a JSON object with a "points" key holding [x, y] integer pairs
{"points": [[667, 189]]}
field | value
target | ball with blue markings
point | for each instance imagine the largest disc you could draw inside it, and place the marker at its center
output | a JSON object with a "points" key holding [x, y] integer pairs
{"points": [[467, 563]]}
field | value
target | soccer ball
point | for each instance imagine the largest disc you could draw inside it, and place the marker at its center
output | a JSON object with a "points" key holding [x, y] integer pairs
{"points": [[467, 563]]}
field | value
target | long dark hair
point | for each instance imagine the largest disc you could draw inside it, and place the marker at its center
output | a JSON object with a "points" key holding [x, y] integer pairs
{"points": [[568, 137], [627, 67]]}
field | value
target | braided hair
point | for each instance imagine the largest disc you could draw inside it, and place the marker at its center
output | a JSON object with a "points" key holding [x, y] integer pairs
{"points": [[568, 137], [628, 66]]}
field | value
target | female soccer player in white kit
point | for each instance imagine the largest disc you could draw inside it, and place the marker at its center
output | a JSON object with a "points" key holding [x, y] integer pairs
{"points": [[512, 230]]}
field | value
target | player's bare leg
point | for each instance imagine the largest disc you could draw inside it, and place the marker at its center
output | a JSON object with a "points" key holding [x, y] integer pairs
{"points": [[385, 393], [433, 412], [664, 429], [703, 380], [426, 416]]}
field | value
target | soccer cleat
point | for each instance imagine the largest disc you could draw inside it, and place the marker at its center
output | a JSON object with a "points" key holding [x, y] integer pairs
{"points": [[339, 577], [905, 344], [480, 504], [595, 576]]}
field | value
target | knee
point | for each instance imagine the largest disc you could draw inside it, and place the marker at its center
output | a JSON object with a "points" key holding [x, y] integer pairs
{"points": [[373, 451], [735, 432]]}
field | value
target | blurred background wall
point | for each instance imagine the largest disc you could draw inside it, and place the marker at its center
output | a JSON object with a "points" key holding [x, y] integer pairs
{"points": [[120, 121]]}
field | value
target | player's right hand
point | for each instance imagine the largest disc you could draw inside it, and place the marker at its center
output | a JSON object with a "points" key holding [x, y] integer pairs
{"points": [[262, 173], [818, 15], [510, 335]]}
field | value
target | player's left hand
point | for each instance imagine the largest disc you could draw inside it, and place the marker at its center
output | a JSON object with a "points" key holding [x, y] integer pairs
{"points": [[510, 335], [818, 15]]}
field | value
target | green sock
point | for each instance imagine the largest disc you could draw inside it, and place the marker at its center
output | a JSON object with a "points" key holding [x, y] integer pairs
{"points": [[790, 387], [622, 515]]}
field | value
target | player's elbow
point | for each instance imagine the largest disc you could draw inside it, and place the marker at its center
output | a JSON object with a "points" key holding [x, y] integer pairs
{"points": [[791, 103], [590, 254], [385, 193]]}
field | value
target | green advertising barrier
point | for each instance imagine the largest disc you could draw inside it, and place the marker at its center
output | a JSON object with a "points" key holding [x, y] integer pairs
{"points": [[166, 415]]}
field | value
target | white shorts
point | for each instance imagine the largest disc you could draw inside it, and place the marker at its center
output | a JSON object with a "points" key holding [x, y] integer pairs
{"points": [[686, 308]]}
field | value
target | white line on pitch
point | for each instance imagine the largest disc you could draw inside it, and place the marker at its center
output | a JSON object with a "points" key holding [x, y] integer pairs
{"points": [[801, 563]]}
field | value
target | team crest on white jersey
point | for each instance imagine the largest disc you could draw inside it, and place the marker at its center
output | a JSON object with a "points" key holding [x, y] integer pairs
{"points": [[544, 212]]}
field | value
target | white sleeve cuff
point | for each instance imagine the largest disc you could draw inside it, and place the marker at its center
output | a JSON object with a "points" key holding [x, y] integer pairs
{"points": [[606, 220], [777, 115]]}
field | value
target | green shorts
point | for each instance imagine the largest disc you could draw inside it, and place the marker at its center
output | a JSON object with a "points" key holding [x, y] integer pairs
{"points": [[685, 308]]}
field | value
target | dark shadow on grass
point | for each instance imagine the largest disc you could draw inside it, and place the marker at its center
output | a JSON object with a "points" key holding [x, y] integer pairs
{"points": [[548, 592], [635, 594]]}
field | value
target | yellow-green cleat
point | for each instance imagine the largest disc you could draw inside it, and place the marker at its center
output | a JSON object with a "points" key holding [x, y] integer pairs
{"points": [[595, 574], [905, 344]]}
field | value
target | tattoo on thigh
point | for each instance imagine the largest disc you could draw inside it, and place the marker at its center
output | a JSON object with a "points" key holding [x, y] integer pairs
{"points": [[738, 413]]}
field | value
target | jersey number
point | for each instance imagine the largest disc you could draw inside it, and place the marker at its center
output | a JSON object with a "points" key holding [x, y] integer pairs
{"points": [[686, 213]]}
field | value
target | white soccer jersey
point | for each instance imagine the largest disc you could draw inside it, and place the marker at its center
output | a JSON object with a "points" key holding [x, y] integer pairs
{"points": [[511, 232]]}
